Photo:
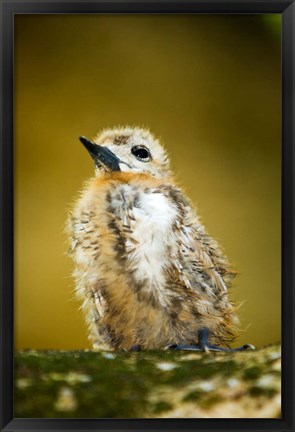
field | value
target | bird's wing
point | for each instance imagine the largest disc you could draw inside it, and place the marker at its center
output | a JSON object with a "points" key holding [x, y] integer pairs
{"points": [[85, 249], [201, 264]]}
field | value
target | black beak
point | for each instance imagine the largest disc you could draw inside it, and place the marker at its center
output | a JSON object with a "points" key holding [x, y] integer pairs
{"points": [[102, 155]]}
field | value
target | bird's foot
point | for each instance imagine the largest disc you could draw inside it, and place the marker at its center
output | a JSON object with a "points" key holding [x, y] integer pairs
{"points": [[208, 348], [204, 346]]}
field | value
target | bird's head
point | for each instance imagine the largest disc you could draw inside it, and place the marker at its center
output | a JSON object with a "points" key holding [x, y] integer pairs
{"points": [[132, 150]]}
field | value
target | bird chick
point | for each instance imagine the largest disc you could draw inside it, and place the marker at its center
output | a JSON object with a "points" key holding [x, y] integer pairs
{"points": [[148, 274]]}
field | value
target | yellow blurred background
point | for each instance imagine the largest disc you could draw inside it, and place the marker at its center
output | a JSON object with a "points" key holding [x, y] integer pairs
{"points": [[208, 86]]}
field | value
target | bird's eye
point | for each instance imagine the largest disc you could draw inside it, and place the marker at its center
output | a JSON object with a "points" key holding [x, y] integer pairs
{"points": [[141, 153]]}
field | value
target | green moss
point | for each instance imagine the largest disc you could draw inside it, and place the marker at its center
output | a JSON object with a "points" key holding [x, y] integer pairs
{"points": [[161, 407], [266, 392], [252, 373], [209, 401], [114, 390], [120, 385], [198, 369], [193, 396]]}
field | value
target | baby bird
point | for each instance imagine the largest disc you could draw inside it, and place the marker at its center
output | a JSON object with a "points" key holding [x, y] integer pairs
{"points": [[147, 272]]}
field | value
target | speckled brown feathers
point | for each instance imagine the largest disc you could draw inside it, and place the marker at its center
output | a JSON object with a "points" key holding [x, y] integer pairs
{"points": [[146, 271]]}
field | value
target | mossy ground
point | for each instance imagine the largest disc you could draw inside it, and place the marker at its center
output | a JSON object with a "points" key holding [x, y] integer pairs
{"points": [[87, 384]]}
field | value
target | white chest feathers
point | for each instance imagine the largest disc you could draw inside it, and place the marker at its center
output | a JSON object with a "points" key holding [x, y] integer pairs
{"points": [[151, 222]]}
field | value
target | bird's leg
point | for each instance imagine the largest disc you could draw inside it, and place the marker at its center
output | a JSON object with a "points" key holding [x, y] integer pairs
{"points": [[204, 345], [135, 348]]}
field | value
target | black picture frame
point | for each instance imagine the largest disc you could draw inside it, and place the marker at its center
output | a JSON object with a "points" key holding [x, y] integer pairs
{"points": [[8, 9]]}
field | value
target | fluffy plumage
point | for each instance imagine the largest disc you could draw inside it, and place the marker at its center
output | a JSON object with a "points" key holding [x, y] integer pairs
{"points": [[146, 270]]}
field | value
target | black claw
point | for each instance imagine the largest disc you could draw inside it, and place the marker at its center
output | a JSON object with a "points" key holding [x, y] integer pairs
{"points": [[244, 348]]}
